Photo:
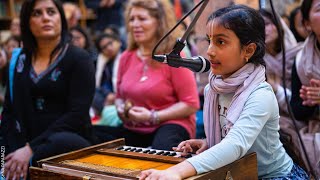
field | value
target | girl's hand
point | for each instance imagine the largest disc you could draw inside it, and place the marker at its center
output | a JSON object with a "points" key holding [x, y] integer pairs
{"points": [[139, 114], [17, 163], [159, 175], [191, 146]]}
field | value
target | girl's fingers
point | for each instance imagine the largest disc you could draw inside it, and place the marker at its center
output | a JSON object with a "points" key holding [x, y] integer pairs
{"points": [[179, 148], [145, 174]]}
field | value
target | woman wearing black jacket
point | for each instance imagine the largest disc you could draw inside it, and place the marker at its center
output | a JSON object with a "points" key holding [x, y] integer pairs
{"points": [[53, 87]]}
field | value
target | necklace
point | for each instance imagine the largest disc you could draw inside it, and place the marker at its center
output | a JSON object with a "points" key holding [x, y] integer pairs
{"points": [[144, 77], [143, 58]]}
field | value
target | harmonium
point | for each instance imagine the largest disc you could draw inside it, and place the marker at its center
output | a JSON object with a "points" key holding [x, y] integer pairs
{"points": [[115, 161]]}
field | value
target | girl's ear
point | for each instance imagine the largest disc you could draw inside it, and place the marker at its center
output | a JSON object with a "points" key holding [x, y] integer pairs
{"points": [[306, 24], [249, 50]]}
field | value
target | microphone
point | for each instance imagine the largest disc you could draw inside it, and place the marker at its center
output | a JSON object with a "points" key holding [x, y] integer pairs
{"points": [[196, 64]]}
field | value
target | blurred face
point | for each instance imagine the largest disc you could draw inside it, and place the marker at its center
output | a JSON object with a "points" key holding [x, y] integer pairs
{"points": [[45, 20], [10, 45], [271, 32], [110, 47], [142, 25], [78, 39], [314, 18], [15, 27], [224, 51]]}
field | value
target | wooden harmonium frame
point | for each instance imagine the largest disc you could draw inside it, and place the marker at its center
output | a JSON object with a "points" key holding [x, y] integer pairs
{"points": [[115, 161]]}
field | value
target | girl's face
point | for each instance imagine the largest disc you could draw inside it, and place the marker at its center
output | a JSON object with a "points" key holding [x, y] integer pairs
{"points": [[142, 25], [224, 51], [109, 47], [78, 39], [314, 18], [45, 20], [271, 31]]}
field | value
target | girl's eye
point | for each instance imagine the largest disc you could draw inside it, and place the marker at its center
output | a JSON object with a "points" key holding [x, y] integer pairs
{"points": [[36, 13], [208, 40], [221, 42], [51, 12]]}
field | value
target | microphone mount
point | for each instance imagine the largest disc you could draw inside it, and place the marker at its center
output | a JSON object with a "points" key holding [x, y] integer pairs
{"points": [[180, 44]]}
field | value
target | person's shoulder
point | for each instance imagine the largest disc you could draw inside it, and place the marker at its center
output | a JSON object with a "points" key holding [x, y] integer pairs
{"points": [[263, 89], [76, 54], [263, 96], [76, 51], [127, 53]]}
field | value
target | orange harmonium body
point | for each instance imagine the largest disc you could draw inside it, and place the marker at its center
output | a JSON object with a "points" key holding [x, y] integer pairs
{"points": [[112, 160]]}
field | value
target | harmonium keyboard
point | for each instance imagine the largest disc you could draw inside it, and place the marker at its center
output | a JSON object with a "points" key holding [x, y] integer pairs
{"points": [[115, 161]]}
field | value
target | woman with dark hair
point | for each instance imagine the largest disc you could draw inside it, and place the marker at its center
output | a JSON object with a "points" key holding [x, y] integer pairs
{"points": [[107, 65], [241, 114], [297, 27], [47, 111], [81, 39], [273, 57], [305, 101]]}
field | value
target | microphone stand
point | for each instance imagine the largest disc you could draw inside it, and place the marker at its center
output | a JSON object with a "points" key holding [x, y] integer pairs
{"points": [[180, 44]]}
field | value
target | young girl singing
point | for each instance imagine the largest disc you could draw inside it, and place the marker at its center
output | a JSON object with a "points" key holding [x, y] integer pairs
{"points": [[241, 113]]}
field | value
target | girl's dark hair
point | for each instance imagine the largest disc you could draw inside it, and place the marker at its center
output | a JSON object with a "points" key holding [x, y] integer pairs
{"points": [[247, 24], [88, 43], [28, 39], [305, 9], [106, 35], [268, 15]]}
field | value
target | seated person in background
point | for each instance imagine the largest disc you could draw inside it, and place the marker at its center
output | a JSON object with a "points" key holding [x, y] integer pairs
{"points": [[274, 71], [297, 27], [305, 99], [241, 114], [11, 43], [112, 29], [47, 110], [163, 99], [15, 27], [273, 56], [82, 39], [107, 65]]}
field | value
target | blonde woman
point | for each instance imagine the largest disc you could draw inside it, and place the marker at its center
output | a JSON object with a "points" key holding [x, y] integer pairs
{"points": [[164, 99]]}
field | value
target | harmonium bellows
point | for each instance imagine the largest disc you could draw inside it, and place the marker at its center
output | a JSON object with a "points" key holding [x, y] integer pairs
{"points": [[115, 161]]}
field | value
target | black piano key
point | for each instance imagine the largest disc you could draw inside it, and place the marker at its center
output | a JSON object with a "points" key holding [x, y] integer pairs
{"points": [[146, 151], [132, 149], [127, 149], [152, 152], [138, 150], [166, 153], [120, 148], [187, 156], [172, 154], [160, 152]]}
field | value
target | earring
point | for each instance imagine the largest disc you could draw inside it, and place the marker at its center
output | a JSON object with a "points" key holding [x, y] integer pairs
{"points": [[247, 59]]}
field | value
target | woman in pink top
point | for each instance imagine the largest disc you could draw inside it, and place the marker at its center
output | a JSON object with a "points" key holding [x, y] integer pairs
{"points": [[164, 99]]}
